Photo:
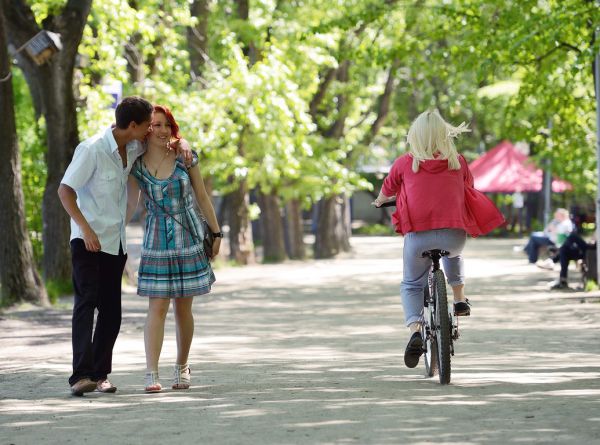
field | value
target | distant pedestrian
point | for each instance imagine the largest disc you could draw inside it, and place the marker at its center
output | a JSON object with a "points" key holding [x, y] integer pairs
{"points": [[518, 203]]}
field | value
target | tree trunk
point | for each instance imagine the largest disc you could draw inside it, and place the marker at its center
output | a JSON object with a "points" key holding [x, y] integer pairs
{"points": [[333, 227], [294, 230], [61, 117], [271, 228], [240, 232], [19, 279], [53, 82], [197, 38]]}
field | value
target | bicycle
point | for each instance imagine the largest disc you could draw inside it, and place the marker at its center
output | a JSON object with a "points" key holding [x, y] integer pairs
{"points": [[439, 329], [440, 326]]}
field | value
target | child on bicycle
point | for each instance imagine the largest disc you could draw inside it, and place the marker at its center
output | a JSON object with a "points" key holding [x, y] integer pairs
{"points": [[436, 208]]}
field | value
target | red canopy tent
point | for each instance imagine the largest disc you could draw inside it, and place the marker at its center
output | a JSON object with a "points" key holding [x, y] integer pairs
{"points": [[504, 169]]}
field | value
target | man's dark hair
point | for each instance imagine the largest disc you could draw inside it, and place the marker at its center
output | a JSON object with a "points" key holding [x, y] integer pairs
{"points": [[133, 108]]}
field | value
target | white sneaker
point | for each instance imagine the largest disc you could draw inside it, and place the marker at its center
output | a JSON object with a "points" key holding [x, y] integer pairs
{"points": [[545, 264]]}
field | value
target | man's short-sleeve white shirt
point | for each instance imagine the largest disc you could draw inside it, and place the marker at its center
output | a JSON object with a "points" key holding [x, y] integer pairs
{"points": [[97, 175]]}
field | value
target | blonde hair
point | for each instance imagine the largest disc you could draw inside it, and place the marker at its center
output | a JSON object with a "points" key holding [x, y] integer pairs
{"points": [[430, 134], [562, 212]]}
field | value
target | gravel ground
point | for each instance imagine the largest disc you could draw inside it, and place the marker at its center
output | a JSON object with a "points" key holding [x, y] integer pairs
{"points": [[312, 352]]}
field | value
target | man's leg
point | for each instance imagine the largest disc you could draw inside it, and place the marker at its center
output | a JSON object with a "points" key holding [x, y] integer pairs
{"points": [[573, 248], [109, 312], [565, 255], [85, 283], [533, 246]]}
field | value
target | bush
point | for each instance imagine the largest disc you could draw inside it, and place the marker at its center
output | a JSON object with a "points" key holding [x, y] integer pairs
{"points": [[57, 288], [591, 286], [374, 229]]}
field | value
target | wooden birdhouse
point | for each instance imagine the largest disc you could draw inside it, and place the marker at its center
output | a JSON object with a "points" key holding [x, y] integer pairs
{"points": [[42, 46]]}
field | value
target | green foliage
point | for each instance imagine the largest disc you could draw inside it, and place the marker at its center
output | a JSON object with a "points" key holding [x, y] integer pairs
{"points": [[153, 31], [43, 9], [591, 286], [56, 289], [374, 229], [510, 69], [254, 122], [545, 48]]}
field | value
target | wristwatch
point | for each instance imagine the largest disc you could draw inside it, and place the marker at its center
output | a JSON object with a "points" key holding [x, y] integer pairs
{"points": [[217, 234]]}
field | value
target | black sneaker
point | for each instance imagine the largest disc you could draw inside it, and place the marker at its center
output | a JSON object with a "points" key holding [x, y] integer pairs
{"points": [[559, 285], [414, 349], [462, 308]]}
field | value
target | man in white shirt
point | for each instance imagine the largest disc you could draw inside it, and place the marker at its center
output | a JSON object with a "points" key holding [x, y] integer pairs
{"points": [[93, 192]]}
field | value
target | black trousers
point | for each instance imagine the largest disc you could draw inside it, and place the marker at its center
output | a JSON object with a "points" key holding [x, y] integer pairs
{"points": [[97, 284], [573, 248]]}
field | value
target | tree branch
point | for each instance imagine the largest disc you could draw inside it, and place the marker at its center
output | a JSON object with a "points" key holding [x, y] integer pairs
{"points": [[384, 101], [20, 22], [540, 58], [337, 128], [321, 91]]}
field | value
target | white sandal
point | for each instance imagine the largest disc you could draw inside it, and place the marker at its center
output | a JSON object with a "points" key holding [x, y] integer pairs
{"points": [[181, 377], [152, 383]]}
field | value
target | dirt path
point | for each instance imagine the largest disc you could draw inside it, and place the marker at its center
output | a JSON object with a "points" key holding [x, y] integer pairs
{"points": [[312, 353]]}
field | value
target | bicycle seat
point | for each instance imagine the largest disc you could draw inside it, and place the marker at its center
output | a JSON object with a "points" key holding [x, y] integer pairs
{"points": [[435, 253]]}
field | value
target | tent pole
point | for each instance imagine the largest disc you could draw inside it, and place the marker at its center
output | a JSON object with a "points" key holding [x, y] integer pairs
{"points": [[547, 185]]}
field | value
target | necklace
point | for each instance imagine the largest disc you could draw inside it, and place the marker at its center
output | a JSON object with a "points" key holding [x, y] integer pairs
{"points": [[167, 153]]}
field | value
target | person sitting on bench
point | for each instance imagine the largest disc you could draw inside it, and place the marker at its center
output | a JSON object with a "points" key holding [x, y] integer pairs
{"points": [[574, 248], [554, 234]]}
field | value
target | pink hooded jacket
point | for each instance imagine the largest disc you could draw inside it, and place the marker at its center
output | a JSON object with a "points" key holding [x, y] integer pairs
{"points": [[438, 198]]}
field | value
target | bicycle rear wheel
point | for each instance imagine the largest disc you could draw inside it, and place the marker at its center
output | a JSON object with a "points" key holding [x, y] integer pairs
{"points": [[430, 357], [443, 326]]}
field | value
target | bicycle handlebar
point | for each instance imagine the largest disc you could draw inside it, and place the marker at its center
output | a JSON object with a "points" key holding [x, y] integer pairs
{"points": [[388, 204]]}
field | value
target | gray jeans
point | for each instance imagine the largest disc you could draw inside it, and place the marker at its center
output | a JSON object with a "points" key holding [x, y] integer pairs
{"points": [[416, 268]]}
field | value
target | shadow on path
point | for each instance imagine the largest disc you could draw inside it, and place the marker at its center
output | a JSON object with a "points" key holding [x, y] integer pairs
{"points": [[312, 352]]}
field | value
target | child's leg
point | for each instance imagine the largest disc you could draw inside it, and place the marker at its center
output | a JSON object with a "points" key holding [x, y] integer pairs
{"points": [[454, 268], [455, 272], [414, 279]]}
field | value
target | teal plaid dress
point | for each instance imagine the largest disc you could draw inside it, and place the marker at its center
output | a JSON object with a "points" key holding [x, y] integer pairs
{"points": [[173, 262]]}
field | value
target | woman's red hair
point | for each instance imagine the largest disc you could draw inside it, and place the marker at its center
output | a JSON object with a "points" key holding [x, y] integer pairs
{"points": [[174, 127]]}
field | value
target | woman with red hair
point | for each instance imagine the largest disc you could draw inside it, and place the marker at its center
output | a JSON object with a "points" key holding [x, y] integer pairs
{"points": [[173, 265]]}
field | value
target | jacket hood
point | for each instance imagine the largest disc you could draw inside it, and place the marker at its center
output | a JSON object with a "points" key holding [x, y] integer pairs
{"points": [[433, 165]]}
